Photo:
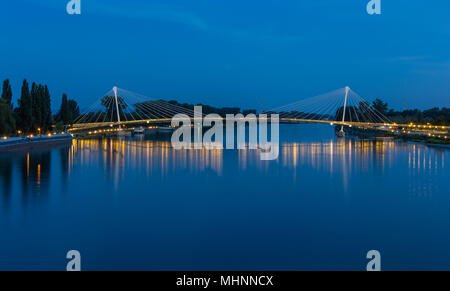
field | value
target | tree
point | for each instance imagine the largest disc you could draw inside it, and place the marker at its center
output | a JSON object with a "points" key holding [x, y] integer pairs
{"points": [[24, 112], [41, 107], [74, 110], [36, 106], [7, 92], [68, 112], [366, 114], [380, 106], [47, 109], [7, 122], [64, 112]]}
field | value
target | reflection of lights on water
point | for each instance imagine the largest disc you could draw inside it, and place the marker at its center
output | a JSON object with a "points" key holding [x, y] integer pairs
{"points": [[324, 155], [28, 165], [155, 156], [39, 174], [338, 157]]}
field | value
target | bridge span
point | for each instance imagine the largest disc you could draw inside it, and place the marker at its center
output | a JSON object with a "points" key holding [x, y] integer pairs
{"points": [[119, 110]]}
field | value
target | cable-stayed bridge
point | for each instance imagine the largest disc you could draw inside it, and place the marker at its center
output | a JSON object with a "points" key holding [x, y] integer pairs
{"points": [[119, 109]]}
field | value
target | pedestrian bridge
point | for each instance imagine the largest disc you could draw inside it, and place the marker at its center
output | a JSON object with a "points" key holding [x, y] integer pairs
{"points": [[119, 109]]}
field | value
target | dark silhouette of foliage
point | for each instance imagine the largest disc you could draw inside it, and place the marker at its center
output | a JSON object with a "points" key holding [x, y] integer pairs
{"points": [[380, 106], [24, 113], [7, 120], [64, 113], [74, 110], [68, 112], [7, 92]]}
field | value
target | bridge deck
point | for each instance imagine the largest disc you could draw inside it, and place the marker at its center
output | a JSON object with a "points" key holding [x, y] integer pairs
{"points": [[88, 126]]}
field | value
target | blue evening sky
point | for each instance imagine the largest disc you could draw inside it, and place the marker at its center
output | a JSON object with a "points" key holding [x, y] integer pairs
{"points": [[247, 53]]}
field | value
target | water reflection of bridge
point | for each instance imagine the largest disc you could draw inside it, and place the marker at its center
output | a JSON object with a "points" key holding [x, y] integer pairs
{"points": [[145, 155], [28, 177]]}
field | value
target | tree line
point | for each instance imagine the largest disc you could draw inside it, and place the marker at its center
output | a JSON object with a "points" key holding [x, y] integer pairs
{"points": [[435, 116], [33, 113], [207, 109], [379, 112]]}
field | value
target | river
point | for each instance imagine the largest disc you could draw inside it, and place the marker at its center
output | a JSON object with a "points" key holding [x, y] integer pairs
{"points": [[138, 204]]}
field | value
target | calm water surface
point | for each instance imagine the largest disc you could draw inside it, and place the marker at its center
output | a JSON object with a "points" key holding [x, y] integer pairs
{"points": [[139, 204]]}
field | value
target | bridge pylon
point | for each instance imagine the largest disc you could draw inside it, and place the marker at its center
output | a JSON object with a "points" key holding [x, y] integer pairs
{"points": [[341, 132], [117, 107]]}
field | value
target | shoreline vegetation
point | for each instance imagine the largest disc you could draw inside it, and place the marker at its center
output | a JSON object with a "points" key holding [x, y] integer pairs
{"points": [[428, 139], [435, 116], [33, 113]]}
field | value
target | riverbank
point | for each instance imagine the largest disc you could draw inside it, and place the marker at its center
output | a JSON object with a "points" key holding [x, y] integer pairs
{"points": [[428, 139], [35, 142], [150, 131]]}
